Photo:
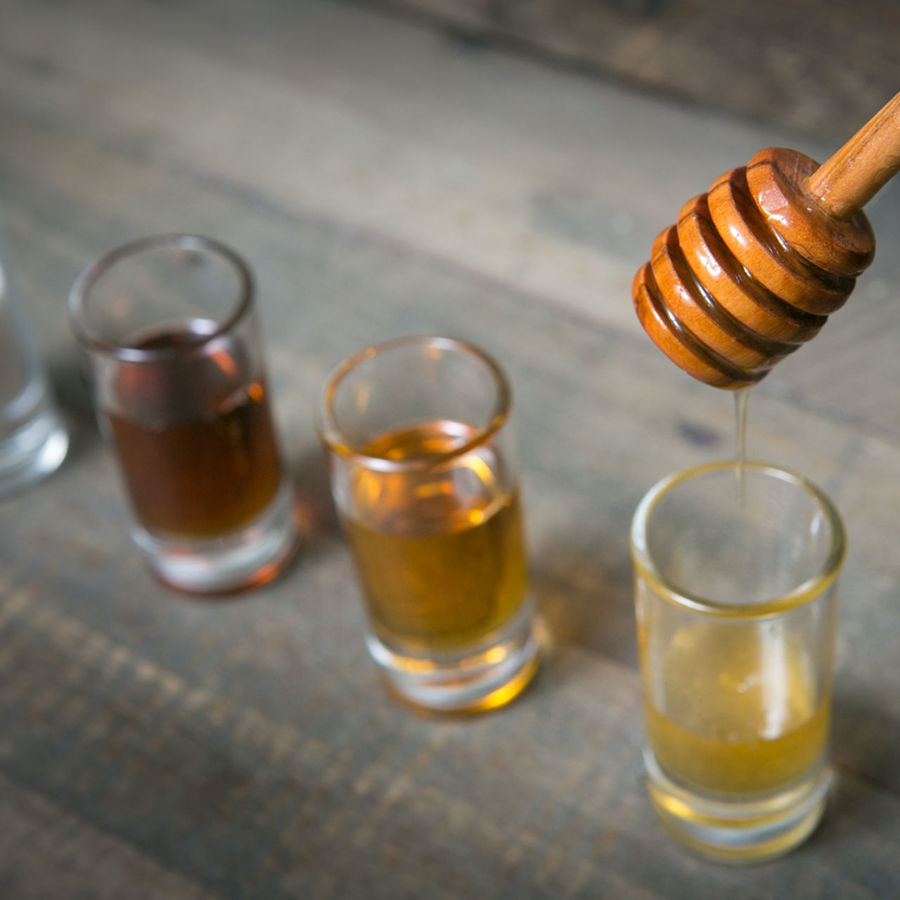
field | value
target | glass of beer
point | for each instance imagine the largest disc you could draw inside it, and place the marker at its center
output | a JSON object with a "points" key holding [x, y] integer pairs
{"points": [[417, 433], [168, 323], [736, 593]]}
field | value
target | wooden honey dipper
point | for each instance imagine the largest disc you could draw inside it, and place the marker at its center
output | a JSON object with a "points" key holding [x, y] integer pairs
{"points": [[754, 267]]}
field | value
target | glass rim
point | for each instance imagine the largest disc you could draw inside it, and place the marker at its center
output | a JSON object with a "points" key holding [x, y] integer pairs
{"points": [[94, 271], [803, 593], [333, 438]]}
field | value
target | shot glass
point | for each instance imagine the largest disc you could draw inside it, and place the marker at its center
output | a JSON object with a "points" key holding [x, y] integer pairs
{"points": [[168, 324], [417, 433], [33, 438], [736, 593]]}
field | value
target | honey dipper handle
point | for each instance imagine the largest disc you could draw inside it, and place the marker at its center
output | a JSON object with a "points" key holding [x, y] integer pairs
{"points": [[847, 181]]}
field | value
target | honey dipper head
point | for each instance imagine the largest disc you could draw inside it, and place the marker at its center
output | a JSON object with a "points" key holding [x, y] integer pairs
{"points": [[751, 270]]}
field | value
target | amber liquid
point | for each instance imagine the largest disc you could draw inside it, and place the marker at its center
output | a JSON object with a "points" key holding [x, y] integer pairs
{"points": [[439, 549], [197, 446], [742, 714]]}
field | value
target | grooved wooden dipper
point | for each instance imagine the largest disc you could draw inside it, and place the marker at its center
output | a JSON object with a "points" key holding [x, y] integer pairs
{"points": [[754, 267]]}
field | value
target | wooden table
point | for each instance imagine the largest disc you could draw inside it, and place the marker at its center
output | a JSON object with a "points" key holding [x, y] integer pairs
{"points": [[384, 179]]}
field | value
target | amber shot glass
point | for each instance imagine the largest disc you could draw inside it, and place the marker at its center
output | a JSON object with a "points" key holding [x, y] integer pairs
{"points": [[168, 325], [418, 438]]}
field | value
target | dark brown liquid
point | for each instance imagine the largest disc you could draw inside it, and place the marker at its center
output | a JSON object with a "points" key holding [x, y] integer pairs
{"points": [[196, 446], [439, 550]]}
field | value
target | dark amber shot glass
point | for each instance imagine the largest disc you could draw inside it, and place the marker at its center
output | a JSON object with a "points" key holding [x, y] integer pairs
{"points": [[169, 327]]}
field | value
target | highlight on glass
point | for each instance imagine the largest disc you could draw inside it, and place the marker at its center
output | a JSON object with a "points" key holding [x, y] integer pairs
{"points": [[168, 324], [423, 474]]}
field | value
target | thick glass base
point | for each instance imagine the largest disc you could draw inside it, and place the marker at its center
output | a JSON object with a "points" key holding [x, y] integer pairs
{"points": [[736, 832], [241, 559], [33, 450], [470, 682]]}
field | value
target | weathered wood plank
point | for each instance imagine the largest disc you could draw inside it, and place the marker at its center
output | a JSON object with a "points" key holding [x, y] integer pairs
{"points": [[543, 800], [48, 852], [247, 745], [544, 182], [380, 186], [804, 65]]}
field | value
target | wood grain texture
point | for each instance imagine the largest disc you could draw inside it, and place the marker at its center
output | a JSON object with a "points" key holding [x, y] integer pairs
{"points": [[49, 852], [244, 748], [805, 65], [543, 182]]}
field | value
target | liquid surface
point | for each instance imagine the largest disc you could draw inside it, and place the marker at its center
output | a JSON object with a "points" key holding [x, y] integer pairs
{"points": [[195, 442], [740, 714], [439, 550]]}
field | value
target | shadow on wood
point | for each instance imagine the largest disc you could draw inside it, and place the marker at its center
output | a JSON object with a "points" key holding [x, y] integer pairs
{"points": [[318, 516], [584, 596], [864, 740]]}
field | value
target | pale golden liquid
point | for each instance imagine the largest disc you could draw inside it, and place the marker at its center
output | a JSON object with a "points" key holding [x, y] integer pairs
{"points": [[439, 551], [741, 712]]}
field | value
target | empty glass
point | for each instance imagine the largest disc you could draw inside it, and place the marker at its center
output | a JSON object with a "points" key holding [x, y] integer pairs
{"points": [[33, 439], [736, 595]]}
